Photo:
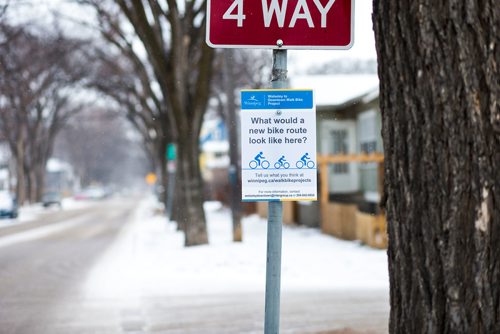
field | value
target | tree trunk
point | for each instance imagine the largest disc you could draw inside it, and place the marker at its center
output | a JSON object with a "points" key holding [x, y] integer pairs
{"points": [[40, 181], [162, 166], [438, 69], [163, 181], [233, 127], [190, 215], [32, 184], [20, 176]]}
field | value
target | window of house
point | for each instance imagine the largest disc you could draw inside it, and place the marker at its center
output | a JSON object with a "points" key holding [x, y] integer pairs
{"points": [[219, 154], [368, 132], [340, 146], [368, 139]]}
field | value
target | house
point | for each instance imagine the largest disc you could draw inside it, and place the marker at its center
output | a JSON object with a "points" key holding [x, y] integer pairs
{"points": [[214, 145], [348, 132], [214, 159]]}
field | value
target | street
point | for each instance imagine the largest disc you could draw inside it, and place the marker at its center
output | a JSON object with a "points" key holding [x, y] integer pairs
{"points": [[43, 272], [37, 276]]}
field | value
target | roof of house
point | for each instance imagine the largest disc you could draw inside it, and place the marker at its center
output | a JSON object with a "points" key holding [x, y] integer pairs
{"points": [[337, 90]]}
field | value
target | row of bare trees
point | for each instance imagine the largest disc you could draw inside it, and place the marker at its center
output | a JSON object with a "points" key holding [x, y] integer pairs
{"points": [[39, 80], [162, 74], [152, 61], [103, 149], [169, 88]]}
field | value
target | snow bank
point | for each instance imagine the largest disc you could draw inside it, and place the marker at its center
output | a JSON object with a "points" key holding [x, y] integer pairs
{"points": [[149, 259]]}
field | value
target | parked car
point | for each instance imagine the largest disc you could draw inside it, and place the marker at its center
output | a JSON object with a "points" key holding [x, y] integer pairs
{"points": [[8, 205], [51, 198]]}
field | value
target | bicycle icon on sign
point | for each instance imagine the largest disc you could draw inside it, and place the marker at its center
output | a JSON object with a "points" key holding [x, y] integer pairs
{"points": [[259, 161], [282, 163], [300, 164], [264, 164], [304, 163]]}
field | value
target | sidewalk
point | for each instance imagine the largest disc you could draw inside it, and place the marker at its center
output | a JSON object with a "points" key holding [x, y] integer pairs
{"points": [[150, 259], [328, 285]]}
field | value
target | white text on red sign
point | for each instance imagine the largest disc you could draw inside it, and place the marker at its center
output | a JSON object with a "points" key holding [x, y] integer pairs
{"points": [[278, 12]]}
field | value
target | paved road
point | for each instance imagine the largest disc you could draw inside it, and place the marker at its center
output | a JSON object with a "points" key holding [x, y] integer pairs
{"points": [[43, 267], [42, 290]]}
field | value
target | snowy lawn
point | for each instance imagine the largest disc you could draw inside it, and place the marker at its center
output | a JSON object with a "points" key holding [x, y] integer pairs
{"points": [[149, 259]]}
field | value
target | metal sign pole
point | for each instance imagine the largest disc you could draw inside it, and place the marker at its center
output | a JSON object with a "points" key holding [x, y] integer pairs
{"points": [[274, 224]]}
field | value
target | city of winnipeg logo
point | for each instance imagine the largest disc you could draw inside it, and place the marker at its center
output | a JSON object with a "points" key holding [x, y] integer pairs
{"points": [[252, 101]]}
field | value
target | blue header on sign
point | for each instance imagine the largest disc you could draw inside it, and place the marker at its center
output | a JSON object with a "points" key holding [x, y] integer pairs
{"points": [[276, 99]]}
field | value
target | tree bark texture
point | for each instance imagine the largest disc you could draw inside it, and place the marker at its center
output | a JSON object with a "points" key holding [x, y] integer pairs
{"points": [[439, 86]]}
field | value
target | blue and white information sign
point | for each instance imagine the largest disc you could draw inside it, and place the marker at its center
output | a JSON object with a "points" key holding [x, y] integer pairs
{"points": [[278, 145]]}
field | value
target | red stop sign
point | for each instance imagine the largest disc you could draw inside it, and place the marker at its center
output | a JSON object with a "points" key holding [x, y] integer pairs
{"points": [[289, 24]]}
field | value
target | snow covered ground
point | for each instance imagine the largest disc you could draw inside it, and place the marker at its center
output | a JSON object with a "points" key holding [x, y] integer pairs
{"points": [[149, 259]]}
